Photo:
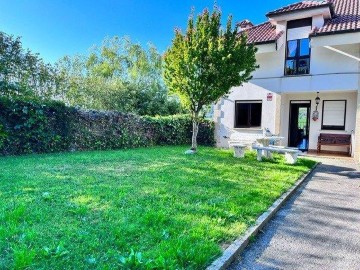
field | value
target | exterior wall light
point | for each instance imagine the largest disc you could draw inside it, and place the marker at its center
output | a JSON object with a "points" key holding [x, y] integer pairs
{"points": [[317, 100], [315, 114]]}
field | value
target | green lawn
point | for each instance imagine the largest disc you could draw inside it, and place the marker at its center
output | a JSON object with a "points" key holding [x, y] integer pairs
{"points": [[142, 208]]}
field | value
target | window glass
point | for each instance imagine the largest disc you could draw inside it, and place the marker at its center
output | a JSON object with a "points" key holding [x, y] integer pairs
{"points": [[292, 48], [303, 66], [304, 47], [255, 119], [248, 114], [242, 114], [298, 57], [290, 68]]}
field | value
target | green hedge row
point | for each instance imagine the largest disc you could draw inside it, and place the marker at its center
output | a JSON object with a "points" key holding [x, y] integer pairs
{"points": [[31, 127]]}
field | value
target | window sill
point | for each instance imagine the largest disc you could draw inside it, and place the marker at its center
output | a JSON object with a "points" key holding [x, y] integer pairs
{"points": [[250, 128], [297, 75], [337, 130]]}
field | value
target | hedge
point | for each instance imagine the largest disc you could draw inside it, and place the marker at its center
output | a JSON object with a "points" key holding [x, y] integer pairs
{"points": [[34, 127]]}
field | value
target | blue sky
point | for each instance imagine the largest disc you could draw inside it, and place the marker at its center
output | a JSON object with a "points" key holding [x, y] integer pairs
{"points": [[55, 28]]}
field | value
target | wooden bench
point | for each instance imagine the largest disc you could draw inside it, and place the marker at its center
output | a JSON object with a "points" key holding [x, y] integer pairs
{"points": [[291, 154], [334, 140]]}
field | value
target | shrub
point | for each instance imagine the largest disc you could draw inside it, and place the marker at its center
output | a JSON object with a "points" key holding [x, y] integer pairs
{"points": [[33, 127], [2, 135]]}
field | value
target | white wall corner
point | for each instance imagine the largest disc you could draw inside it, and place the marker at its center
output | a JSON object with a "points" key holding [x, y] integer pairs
{"points": [[280, 42], [277, 129], [318, 21], [357, 125], [357, 130], [280, 26]]}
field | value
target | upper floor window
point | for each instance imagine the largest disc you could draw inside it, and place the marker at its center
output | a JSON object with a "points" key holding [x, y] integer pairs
{"points": [[297, 57]]}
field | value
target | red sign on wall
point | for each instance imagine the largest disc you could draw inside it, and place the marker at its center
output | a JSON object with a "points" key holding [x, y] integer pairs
{"points": [[269, 96]]}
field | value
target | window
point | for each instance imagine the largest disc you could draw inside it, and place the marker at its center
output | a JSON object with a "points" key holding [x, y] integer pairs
{"points": [[333, 114], [248, 114], [297, 57]]}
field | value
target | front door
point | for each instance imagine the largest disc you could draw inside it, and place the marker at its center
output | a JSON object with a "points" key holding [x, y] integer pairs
{"points": [[299, 124]]}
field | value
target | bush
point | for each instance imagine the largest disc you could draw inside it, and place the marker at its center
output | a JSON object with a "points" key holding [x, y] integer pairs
{"points": [[177, 129], [2, 135], [33, 127]]}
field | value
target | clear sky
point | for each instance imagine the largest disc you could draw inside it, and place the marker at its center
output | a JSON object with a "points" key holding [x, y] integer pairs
{"points": [[55, 28]]}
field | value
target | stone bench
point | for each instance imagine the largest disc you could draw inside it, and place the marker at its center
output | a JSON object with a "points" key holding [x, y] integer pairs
{"points": [[239, 149], [291, 154]]}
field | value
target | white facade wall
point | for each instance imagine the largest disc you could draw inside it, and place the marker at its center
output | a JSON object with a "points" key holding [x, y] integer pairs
{"points": [[315, 126], [271, 65], [224, 113], [325, 61], [334, 75], [329, 71]]}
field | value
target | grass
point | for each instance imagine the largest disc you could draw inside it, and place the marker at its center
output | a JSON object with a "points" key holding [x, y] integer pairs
{"points": [[153, 208]]}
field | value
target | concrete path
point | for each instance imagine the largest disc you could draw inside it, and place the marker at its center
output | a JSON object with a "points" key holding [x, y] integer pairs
{"points": [[318, 228]]}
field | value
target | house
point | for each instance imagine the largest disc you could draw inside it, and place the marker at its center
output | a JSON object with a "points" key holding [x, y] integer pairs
{"points": [[308, 53]]}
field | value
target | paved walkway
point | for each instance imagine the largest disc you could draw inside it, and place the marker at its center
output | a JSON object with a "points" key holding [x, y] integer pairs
{"points": [[318, 228]]}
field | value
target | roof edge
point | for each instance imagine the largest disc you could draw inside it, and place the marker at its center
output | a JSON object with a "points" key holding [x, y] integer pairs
{"points": [[329, 4], [256, 25], [264, 42], [334, 32]]}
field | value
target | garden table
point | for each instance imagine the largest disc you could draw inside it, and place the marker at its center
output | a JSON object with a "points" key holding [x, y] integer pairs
{"points": [[269, 140]]}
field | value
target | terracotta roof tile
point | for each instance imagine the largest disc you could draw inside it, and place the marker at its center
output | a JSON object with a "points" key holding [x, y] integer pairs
{"points": [[245, 24], [262, 33], [346, 18], [298, 6]]}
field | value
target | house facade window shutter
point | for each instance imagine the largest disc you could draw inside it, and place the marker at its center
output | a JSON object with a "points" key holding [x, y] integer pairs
{"points": [[298, 33], [333, 114]]}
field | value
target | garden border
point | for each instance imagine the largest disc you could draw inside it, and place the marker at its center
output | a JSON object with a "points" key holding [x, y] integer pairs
{"points": [[241, 243]]}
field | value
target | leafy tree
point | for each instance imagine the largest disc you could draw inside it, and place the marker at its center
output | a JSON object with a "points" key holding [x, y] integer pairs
{"points": [[204, 63], [23, 73], [118, 75]]}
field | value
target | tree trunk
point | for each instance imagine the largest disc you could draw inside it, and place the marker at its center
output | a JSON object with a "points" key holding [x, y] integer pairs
{"points": [[195, 131]]}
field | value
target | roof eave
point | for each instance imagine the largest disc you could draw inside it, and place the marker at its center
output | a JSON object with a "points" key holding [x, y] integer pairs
{"points": [[263, 42], [335, 32], [276, 14]]}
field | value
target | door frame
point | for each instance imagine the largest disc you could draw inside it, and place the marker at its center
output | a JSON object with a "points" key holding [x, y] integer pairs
{"points": [[300, 101]]}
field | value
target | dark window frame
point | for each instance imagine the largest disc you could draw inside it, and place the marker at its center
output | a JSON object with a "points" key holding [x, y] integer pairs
{"points": [[249, 113], [299, 23], [332, 127], [297, 58], [295, 101], [291, 25]]}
